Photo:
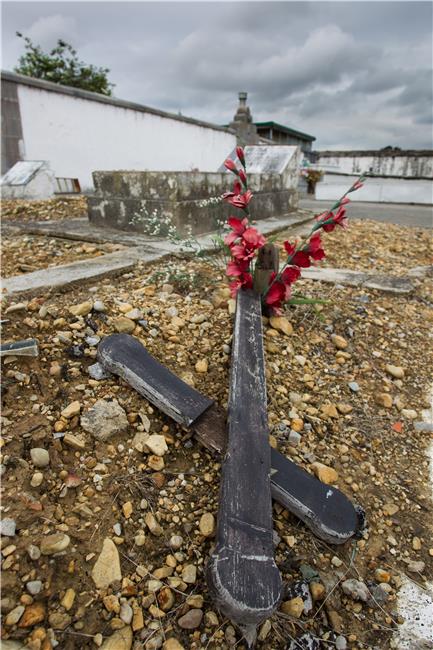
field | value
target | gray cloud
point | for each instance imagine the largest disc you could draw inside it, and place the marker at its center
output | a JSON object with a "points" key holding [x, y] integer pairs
{"points": [[354, 74]]}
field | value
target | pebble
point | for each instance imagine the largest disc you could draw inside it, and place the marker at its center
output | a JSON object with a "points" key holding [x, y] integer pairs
{"points": [[54, 543], [68, 599], [71, 410], [191, 620], [356, 589], [410, 414], [339, 342], [157, 444], [14, 615], [317, 590], [104, 419], [175, 542], [40, 457], [119, 640], [324, 473], [76, 442], [82, 309], [172, 312], [265, 628], [134, 314], [340, 643], [36, 479], [189, 574], [354, 386], [123, 325], [416, 566], [126, 613], [117, 528], [34, 613], [34, 552], [395, 371], [172, 644], [106, 569], [8, 527], [294, 438], [152, 524], [202, 366], [384, 399], [207, 525], [34, 587], [293, 607], [282, 324], [127, 509], [416, 543], [98, 372], [98, 305]]}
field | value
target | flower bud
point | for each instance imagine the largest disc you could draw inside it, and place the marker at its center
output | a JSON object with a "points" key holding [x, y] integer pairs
{"points": [[240, 154], [230, 165]]}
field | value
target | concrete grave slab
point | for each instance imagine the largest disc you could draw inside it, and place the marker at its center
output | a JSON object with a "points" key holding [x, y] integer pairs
{"points": [[359, 279], [28, 179]]}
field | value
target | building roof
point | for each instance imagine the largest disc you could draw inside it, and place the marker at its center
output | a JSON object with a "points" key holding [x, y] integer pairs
{"points": [[285, 129], [103, 99]]}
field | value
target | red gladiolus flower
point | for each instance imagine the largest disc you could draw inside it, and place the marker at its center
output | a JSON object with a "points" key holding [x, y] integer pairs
{"points": [[230, 165], [290, 274], [241, 155], [340, 217], [243, 176], [297, 258], [241, 252], [238, 200], [314, 248], [276, 294], [237, 187], [236, 268], [290, 248], [245, 281], [239, 226], [253, 238]]}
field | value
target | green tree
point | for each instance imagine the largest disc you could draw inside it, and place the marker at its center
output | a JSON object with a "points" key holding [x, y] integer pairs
{"points": [[62, 66]]}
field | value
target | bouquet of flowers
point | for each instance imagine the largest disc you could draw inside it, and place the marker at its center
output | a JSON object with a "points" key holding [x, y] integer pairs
{"points": [[246, 242]]}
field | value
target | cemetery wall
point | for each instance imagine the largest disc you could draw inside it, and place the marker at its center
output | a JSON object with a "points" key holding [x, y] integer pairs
{"points": [[77, 131], [386, 162], [376, 189]]}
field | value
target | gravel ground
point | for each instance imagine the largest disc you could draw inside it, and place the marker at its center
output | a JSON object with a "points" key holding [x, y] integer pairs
{"points": [[64, 207], [113, 532]]}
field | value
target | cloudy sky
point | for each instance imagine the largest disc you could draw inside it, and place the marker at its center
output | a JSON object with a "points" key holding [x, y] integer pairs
{"points": [[353, 74]]}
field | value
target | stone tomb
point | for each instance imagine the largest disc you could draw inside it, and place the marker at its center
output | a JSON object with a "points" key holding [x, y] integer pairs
{"points": [[28, 179], [181, 196]]}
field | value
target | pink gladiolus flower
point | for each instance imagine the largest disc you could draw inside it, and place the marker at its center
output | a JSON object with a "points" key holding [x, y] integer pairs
{"points": [[253, 238], [238, 200], [356, 186], [230, 165], [290, 274], [314, 248], [241, 252], [297, 258], [241, 155], [245, 281], [236, 268], [238, 225], [345, 200], [243, 176], [237, 187]]}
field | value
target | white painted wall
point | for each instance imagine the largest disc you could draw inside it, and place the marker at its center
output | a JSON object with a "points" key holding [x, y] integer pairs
{"points": [[78, 136], [376, 189], [405, 165]]}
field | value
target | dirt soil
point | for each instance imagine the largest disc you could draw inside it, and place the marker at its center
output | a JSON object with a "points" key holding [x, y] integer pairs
{"points": [[354, 412], [26, 253], [63, 207]]}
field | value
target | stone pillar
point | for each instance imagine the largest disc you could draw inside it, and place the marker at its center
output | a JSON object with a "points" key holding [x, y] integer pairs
{"points": [[242, 123]]}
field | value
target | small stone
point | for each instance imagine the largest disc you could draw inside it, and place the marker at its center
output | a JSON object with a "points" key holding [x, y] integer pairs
{"points": [[195, 600], [294, 438], [98, 305], [104, 419], [157, 444], [189, 574], [172, 644], [34, 613], [202, 366], [324, 473], [410, 414], [59, 620], [356, 589], [340, 643], [344, 408], [389, 509], [416, 543], [106, 569], [82, 309], [68, 599], [14, 615], [33, 552], [207, 525], [191, 620], [152, 524], [134, 314], [282, 324], [8, 527], [339, 342], [318, 591], [293, 607], [265, 628], [120, 640], [98, 372], [73, 441], [123, 325], [395, 371], [211, 619], [140, 539], [175, 542], [71, 410], [382, 576], [336, 561], [166, 599], [127, 509], [415, 566], [36, 479], [354, 386], [54, 543], [34, 587], [384, 399], [155, 462], [329, 410], [172, 312], [126, 613], [40, 457]]}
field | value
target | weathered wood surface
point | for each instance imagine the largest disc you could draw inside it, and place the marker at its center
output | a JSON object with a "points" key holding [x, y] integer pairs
{"points": [[324, 509], [242, 575], [267, 263]]}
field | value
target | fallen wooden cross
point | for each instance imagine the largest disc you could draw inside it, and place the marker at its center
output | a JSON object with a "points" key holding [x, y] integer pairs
{"points": [[242, 575], [326, 511]]}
